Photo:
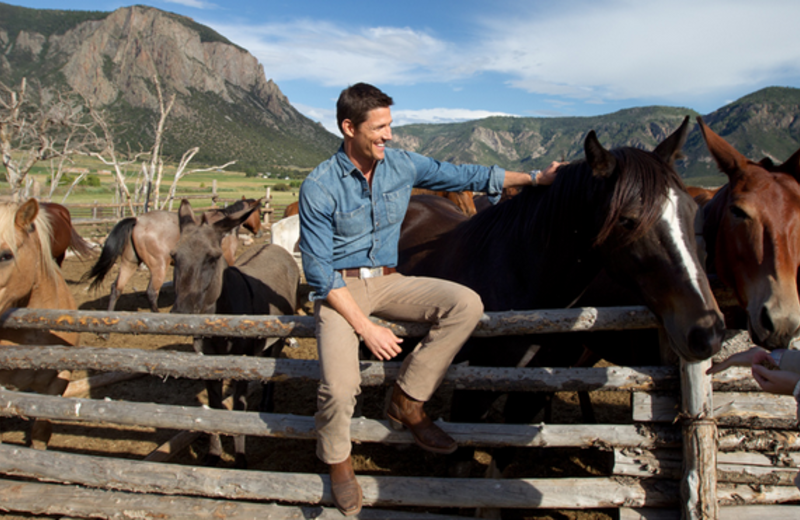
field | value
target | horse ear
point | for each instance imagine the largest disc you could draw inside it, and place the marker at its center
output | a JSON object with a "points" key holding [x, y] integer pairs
{"points": [[729, 161], [792, 166], [670, 148], [186, 215], [26, 214], [235, 218], [600, 160]]}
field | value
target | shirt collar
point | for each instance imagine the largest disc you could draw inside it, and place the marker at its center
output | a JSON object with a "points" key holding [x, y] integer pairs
{"points": [[346, 165]]}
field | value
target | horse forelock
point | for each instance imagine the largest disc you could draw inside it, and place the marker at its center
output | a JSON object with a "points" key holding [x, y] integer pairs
{"points": [[43, 228], [642, 181]]}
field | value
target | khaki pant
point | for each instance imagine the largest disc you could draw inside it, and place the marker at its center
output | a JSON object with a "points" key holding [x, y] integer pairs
{"points": [[452, 309]]}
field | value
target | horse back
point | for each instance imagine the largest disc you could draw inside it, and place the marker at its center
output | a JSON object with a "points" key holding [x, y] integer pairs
{"points": [[271, 275], [428, 218]]}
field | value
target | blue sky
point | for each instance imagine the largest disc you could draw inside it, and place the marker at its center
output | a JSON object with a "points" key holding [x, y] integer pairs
{"points": [[446, 61]]}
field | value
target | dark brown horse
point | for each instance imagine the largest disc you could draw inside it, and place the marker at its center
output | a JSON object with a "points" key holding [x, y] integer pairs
{"points": [[149, 239], [264, 281], [63, 235], [624, 211], [462, 199], [752, 233]]}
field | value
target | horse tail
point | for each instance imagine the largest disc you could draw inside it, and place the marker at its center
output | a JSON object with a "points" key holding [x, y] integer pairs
{"points": [[112, 249], [79, 244]]}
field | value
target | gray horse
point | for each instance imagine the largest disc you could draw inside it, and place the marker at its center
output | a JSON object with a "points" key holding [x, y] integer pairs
{"points": [[263, 281]]}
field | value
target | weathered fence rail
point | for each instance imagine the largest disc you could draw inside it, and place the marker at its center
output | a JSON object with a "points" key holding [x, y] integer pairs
{"points": [[647, 454]]}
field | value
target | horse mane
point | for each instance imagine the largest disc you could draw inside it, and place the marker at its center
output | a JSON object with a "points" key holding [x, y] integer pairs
{"points": [[8, 212], [641, 180]]}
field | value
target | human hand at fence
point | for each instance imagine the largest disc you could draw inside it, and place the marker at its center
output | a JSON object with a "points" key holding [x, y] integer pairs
{"points": [[740, 359], [770, 378]]}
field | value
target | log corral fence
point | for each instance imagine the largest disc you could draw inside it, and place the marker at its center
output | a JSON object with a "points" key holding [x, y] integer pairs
{"points": [[669, 462], [101, 217]]}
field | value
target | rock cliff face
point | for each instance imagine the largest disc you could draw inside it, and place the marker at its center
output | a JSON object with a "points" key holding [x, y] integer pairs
{"points": [[112, 61]]}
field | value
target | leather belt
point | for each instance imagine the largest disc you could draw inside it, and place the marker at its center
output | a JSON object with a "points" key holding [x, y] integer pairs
{"points": [[367, 272]]}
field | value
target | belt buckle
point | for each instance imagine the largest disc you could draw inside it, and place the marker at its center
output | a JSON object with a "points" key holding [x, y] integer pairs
{"points": [[369, 272]]}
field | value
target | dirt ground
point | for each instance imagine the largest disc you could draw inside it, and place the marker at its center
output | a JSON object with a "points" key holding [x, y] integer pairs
{"points": [[297, 397]]}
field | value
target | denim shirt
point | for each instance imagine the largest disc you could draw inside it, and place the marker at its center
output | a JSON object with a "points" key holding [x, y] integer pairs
{"points": [[344, 224]]}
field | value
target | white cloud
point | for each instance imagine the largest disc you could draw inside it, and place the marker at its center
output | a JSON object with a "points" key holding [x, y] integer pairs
{"points": [[574, 50], [332, 55], [197, 4], [441, 115], [628, 49]]}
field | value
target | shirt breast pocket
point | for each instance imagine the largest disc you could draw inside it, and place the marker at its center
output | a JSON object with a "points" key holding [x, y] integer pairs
{"points": [[351, 223], [397, 204]]}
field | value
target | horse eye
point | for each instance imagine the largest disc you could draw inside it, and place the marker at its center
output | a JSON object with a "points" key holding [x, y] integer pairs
{"points": [[628, 223], [6, 256], [738, 212]]}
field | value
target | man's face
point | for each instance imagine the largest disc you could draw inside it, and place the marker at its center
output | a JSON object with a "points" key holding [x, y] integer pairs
{"points": [[369, 138]]}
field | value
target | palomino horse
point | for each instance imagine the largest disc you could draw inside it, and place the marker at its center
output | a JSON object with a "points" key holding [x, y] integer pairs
{"points": [[63, 235], [752, 239], [264, 281], [29, 277], [624, 210], [148, 238]]}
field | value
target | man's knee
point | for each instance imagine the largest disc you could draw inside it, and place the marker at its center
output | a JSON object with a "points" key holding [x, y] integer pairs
{"points": [[469, 305], [340, 397]]}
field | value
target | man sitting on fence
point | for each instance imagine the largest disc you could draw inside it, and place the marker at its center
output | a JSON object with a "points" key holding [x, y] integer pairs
{"points": [[351, 209]]}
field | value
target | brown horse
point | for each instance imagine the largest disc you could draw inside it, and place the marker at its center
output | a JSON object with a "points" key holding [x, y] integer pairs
{"points": [[752, 233], [462, 199], [292, 209], [149, 238], [29, 277], [63, 235], [264, 281]]}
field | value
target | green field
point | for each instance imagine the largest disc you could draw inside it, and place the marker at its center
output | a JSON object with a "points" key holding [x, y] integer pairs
{"points": [[230, 185]]}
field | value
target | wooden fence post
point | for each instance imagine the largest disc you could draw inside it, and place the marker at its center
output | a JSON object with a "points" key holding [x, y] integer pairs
{"points": [[214, 192], [699, 484], [94, 210]]}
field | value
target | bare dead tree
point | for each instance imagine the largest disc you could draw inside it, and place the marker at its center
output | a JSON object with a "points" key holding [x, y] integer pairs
{"points": [[181, 171], [37, 126]]}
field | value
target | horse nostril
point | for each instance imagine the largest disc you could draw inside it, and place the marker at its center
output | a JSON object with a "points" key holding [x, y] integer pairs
{"points": [[766, 321], [705, 341]]}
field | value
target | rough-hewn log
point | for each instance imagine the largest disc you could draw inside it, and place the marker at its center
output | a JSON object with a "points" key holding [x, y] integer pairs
{"points": [[172, 447], [738, 467], [744, 494], [148, 477], [699, 483], [55, 499], [492, 324], [300, 427], [754, 410], [725, 513], [769, 441], [83, 387], [192, 366]]}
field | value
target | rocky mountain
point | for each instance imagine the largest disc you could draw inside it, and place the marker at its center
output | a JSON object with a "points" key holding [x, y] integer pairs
{"points": [[763, 124], [224, 102]]}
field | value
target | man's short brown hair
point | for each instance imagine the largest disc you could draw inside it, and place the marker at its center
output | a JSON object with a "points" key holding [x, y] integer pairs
{"points": [[356, 101]]}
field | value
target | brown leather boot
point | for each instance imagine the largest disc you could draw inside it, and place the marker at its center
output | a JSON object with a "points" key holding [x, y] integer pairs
{"points": [[345, 489], [407, 412]]}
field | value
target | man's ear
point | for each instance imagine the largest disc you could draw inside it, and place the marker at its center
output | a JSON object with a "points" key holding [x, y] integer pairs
{"points": [[348, 128]]}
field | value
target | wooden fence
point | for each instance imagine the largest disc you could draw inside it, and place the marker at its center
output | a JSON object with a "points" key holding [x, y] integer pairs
{"points": [[661, 469]]}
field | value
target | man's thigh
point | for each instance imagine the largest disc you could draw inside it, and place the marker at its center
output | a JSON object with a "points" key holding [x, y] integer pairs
{"points": [[413, 298]]}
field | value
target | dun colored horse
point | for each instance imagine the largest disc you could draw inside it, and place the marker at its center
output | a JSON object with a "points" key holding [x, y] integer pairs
{"points": [[752, 233], [624, 211], [150, 238], [29, 277], [263, 281], [63, 235]]}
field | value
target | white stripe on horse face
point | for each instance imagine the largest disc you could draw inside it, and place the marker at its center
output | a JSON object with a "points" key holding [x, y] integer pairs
{"points": [[670, 217]]}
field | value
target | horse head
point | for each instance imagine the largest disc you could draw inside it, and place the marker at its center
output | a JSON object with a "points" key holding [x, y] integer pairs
{"points": [[25, 260], [752, 231], [647, 242], [198, 256]]}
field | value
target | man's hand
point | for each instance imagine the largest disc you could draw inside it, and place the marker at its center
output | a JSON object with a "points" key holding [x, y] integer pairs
{"points": [[740, 359], [381, 342], [547, 176]]}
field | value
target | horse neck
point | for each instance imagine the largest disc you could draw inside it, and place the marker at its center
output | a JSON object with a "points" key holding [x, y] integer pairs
{"points": [[50, 290]]}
